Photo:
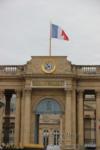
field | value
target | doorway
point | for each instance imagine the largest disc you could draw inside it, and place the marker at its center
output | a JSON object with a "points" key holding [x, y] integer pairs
{"points": [[48, 118]]}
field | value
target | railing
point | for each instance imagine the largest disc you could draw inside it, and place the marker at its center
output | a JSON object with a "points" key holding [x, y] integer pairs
{"points": [[79, 69], [11, 69], [87, 69]]}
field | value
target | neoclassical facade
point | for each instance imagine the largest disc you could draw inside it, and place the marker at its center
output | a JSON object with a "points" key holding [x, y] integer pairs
{"points": [[50, 101]]}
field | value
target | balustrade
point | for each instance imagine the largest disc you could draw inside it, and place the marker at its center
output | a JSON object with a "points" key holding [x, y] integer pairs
{"points": [[78, 69], [10, 69], [88, 69]]}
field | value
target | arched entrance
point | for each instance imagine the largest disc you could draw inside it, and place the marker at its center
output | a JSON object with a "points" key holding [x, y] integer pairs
{"points": [[48, 122]]}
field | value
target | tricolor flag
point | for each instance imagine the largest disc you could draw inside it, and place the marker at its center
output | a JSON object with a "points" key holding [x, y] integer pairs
{"points": [[57, 32]]}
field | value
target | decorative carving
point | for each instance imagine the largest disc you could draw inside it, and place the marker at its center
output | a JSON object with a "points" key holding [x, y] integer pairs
{"points": [[48, 67], [47, 83]]}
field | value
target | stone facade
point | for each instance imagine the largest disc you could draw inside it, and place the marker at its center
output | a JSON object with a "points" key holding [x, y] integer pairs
{"points": [[50, 101]]}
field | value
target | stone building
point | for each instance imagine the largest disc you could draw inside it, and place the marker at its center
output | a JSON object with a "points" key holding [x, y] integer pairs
{"points": [[50, 101]]}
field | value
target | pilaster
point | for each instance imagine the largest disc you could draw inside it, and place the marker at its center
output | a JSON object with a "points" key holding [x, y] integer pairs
{"points": [[27, 116], [18, 118], [61, 129], [1, 114], [33, 128], [22, 119], [98, 120], [68, 120], [80, 118], [74, 118]]}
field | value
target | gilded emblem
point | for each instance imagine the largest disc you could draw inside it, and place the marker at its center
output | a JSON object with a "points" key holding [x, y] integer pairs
{"points": [[48, 67]]}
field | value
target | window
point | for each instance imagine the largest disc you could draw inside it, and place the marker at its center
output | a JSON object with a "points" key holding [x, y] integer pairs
{"points": [[89, 118], [89, 126], [89, 97], [45, 137], [56, 135], [13, 103]]}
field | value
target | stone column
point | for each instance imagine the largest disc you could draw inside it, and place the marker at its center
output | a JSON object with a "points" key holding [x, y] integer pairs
{"points": [[68, 119], [61, 129], [1, 115], [50, 136], [33, 128], [74, 118], [98, 120], [40, 136], [17, 118], [22, 119], [80, 118], [27, 116]]}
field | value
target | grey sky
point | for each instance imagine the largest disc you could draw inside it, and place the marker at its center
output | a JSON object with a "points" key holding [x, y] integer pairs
{"points": [[25, 25]]}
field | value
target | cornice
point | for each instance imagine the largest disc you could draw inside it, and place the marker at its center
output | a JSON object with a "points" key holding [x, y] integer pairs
{"points": [[67, 75]]}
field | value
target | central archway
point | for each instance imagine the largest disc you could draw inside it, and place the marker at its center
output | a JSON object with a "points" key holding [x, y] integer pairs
{"points": [[47, 122]]}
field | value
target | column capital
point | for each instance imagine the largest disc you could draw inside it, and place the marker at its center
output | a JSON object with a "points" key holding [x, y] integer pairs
{"points": [[69, 91], [67, 86], [80, 90], [2, 90], [1, 93], [80, 95], [18, 91], [97, 91], [27, 89]]}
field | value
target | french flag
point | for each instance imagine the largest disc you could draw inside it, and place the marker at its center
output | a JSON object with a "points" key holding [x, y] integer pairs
{"points": [[58, 33]]}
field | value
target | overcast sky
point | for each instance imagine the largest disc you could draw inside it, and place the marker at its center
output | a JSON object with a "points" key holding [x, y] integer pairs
{"points": [[25, 26]]}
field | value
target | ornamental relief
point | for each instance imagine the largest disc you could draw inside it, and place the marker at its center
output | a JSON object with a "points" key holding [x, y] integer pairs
{"points": [[56, 83], [52, 83]]}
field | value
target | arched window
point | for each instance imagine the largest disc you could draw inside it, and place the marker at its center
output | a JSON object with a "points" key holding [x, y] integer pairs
{"points": [[48, 106], [45, 137], [56, 136]]}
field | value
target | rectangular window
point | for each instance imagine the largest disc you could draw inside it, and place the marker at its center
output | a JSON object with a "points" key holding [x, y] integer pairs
{"points": [[89, 131]]}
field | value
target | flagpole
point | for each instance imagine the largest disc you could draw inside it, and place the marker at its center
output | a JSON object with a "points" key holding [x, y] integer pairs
{"points": [[50, 41]]}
